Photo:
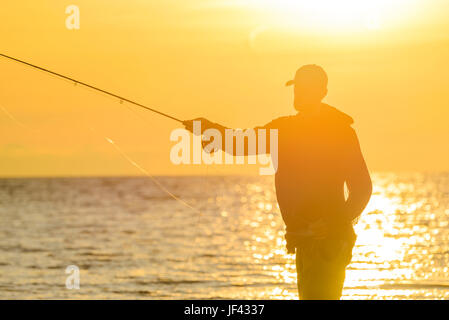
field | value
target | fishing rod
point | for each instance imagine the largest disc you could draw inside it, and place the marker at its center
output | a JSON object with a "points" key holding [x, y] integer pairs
{"points": [[91, 87], [107, 139]]}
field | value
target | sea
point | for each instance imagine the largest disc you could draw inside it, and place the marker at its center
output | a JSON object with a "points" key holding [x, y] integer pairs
{"points": [[127, 238]]}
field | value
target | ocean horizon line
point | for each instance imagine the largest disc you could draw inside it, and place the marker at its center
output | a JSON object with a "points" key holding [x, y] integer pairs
{"points": [[163, 175]]}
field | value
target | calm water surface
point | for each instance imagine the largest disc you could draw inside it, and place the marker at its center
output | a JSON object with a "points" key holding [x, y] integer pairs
{"points": [[132, 241]]}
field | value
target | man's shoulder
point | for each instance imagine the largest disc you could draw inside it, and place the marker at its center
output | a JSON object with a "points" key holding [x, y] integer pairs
{"points": [[334, 115], [329, 114], [280, 122]]}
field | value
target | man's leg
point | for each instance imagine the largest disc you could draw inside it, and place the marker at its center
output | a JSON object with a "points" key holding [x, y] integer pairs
{"points": [[320, 266]]}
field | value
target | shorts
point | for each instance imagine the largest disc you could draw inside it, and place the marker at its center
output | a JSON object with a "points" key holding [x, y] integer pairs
{"points": [[321, 266]]}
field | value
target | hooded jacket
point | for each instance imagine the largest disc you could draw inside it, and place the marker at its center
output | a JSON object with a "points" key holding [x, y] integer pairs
{"points": [[315, 156]]}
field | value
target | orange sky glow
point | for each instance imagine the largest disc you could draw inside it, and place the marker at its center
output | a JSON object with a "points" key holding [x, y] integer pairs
{"points": [[387, 63]]}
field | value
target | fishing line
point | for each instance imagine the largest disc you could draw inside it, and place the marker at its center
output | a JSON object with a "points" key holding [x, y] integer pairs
{"points": [[144, 171], [14, 119], [119, 150]]}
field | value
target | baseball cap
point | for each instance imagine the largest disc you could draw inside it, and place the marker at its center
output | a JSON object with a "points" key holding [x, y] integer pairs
{"points": [[311, 74]]}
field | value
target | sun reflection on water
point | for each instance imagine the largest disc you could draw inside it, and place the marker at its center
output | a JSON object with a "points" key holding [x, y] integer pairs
{"points": [[393, 244], [235, 251], [392, 258]]}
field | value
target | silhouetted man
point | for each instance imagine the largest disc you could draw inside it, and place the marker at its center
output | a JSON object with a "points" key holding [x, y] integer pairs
{"points": [[318, 152]]}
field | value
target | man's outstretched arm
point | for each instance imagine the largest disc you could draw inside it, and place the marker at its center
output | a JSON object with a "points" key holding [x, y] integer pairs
{"points": [[358, 179], [246, 151]]}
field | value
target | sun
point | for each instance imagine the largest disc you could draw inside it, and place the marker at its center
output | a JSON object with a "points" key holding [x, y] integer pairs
{"points": [[336, 15]]}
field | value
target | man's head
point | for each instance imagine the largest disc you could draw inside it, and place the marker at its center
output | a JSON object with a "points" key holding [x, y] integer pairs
{"points": [[310, 86]]}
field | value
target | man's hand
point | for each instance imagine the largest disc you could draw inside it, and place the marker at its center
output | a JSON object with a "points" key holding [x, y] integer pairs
{"points": [[317, 230], [205, 124]]}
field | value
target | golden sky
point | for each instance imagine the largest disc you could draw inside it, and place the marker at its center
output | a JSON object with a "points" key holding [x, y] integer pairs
{"points": [[387, 63]]}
